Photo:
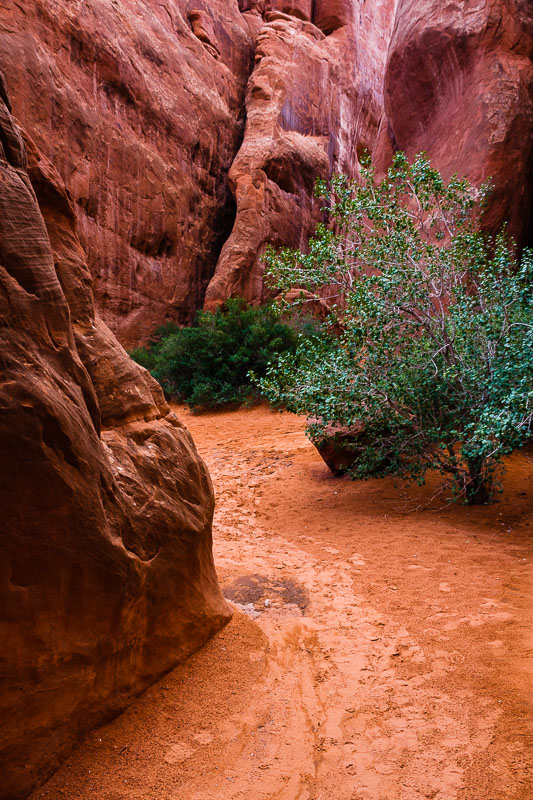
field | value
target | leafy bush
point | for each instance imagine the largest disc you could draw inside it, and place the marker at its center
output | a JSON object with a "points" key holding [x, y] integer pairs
{"points": [[435, 352], [208, 364]]}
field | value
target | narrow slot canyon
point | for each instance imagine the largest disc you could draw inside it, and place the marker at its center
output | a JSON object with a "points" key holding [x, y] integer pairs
{"points": [[192, 607]]}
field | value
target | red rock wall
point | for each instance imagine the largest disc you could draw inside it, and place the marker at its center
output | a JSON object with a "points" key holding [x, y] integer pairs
{"points": [[189, 132], [458, 84], [313, 104], [138, 104], [106, 571]]}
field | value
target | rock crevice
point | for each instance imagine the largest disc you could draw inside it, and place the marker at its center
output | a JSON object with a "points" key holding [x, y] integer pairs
{"points": [[171, 125]]}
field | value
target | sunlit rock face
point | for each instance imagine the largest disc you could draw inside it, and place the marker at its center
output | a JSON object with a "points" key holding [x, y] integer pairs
{"points": [[189, 133], [106, 571]]}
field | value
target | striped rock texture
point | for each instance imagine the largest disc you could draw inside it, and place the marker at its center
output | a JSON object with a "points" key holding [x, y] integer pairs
{"points": [[106, 571]]}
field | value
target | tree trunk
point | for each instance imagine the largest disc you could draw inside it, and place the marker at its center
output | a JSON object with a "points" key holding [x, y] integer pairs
{"points": [[479, 488]]}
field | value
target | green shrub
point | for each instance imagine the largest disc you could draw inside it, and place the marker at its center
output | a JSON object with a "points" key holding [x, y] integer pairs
{"points": [[207, 365], [435, 352], [145, 356]]}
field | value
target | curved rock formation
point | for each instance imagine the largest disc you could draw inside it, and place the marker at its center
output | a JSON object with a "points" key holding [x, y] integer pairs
{"points": [[142, 107], [106, 570], [313, 103], [459, 85], [285, 148]]}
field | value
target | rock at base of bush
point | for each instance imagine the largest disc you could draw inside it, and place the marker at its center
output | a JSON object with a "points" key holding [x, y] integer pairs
{"points": [[338, 445]]}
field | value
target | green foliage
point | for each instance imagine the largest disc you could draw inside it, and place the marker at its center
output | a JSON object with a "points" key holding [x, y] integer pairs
{"points": [[435, 352], [145, 356], [208, 364]]}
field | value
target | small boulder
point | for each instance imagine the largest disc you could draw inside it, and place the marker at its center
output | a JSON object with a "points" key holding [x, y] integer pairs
{"points": [[337, 444]]}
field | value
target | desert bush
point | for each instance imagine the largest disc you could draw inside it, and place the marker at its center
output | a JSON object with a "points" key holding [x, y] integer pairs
{"points": [[435, 346], [208, 365]]}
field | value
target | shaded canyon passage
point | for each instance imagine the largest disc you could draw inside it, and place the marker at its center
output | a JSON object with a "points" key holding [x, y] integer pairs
{"points": [[375, 653]]}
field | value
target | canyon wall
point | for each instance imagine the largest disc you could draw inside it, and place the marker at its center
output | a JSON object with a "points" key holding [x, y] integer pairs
{"points": [[189, 133], [166, 143], [458, 84], [139, 106], [106, 570]]}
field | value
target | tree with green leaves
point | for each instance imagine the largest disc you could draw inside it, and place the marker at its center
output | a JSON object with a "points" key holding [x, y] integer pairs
{"points": [[433, 352]]}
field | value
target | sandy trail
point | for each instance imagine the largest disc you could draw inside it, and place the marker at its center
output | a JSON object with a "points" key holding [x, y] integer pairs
{"points": [[393, 659]]}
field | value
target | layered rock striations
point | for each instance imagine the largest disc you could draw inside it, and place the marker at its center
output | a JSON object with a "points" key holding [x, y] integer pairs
{"points": [[189, 133], [139, 106], [106, 570]]}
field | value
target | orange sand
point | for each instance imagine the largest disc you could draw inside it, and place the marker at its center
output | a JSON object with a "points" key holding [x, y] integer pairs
{"points": [[393, 659]]}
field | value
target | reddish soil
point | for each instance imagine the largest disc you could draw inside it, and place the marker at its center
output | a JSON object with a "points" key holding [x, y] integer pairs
{"points": [[393, 659]]}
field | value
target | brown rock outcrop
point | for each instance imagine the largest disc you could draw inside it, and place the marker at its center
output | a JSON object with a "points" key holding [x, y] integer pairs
{"points": [[337, 446], [142, 107], [342, 447], [106, 570]]}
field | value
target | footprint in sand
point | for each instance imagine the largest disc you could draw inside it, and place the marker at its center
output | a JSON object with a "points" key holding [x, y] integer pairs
{"points": [[204, 737], [178, 753]]}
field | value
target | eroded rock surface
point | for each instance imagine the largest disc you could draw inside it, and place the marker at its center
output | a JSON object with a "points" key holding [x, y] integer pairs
{"points": [[189, 133], [313, 105], [139, 107], [459, 85], [106, 571]]}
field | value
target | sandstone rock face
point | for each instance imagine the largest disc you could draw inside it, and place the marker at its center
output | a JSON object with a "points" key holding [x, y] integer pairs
{"points": [[313, 102], [106, 570], [141, 108], [189, 133], [459, 85], [138, 104], [285, 148]]}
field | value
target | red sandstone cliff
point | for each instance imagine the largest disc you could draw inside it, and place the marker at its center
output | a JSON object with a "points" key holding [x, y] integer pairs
{"points": [[458, 84], [190, 133], [138, 104], [313, 104], [106, 570]]}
